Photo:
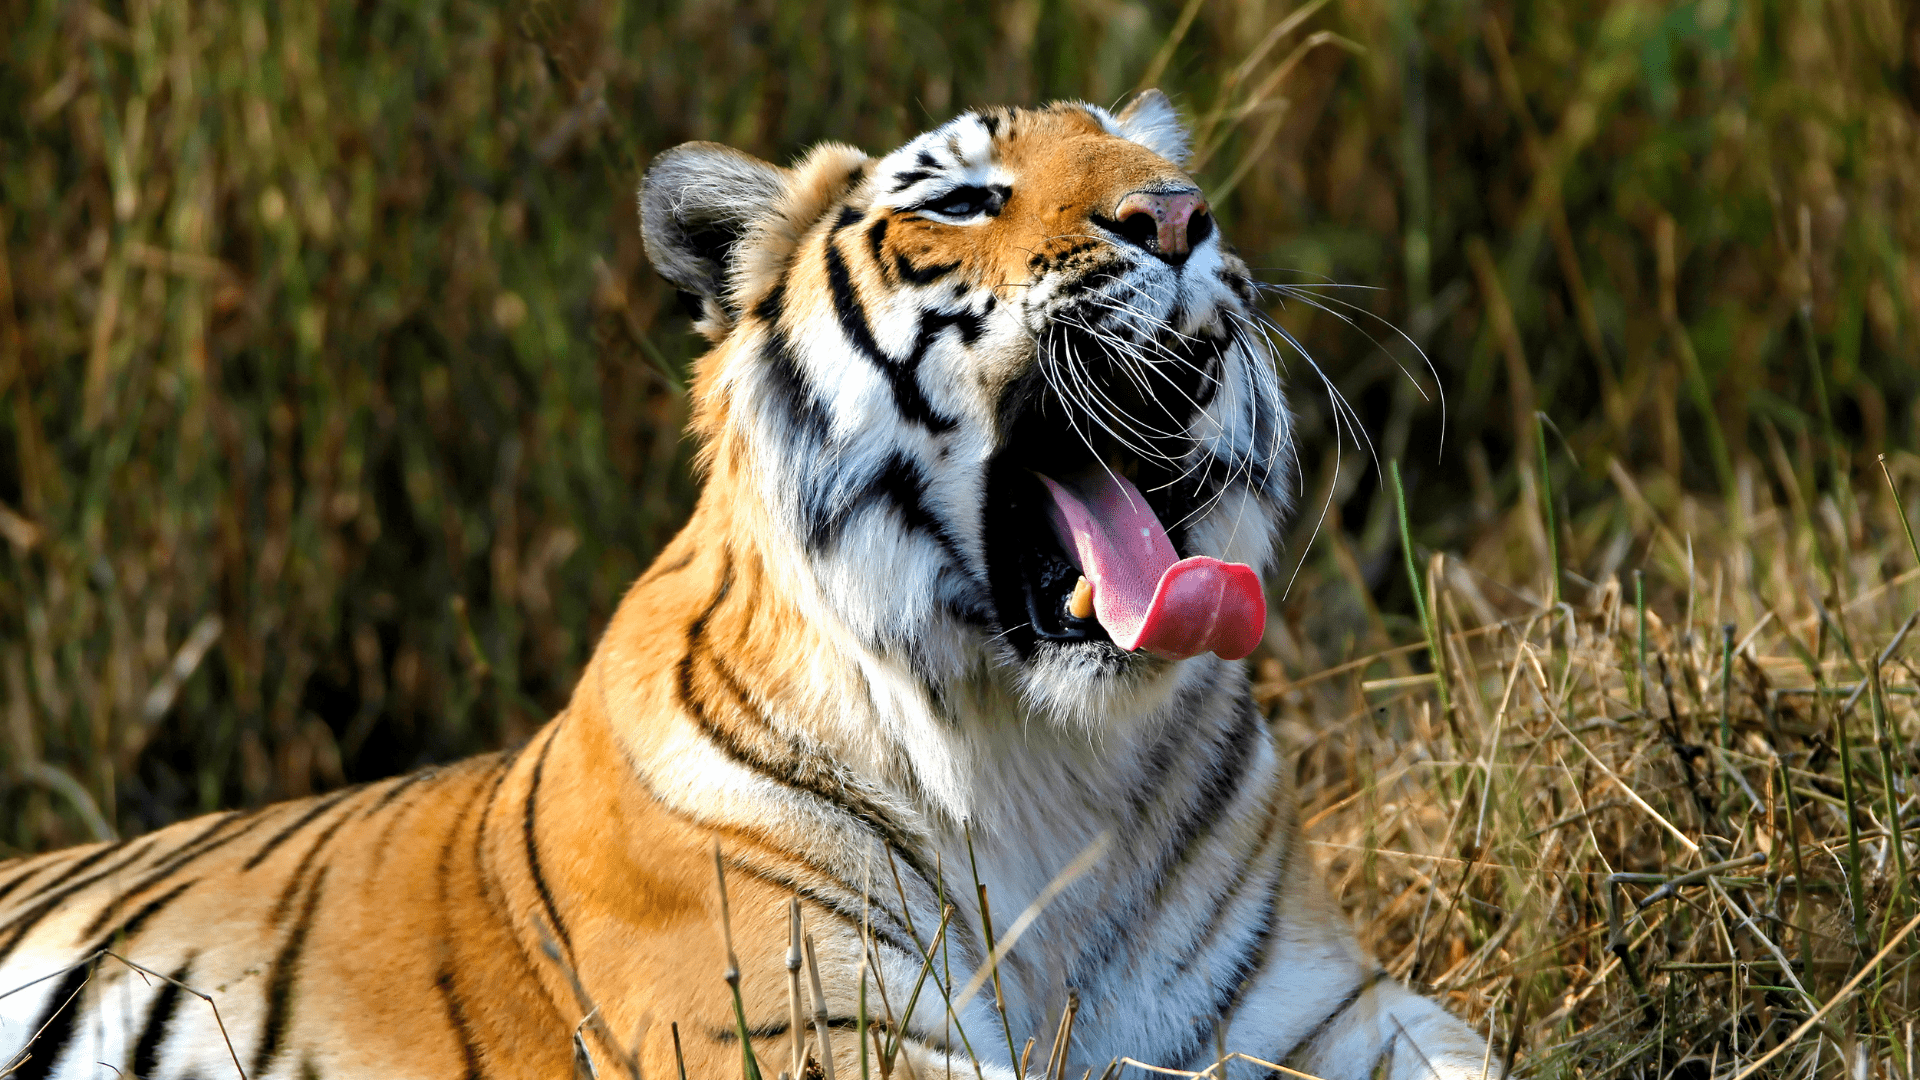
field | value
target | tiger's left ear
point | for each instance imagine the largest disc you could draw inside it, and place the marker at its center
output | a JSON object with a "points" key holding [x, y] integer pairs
{"points": [[697, 202], [1150, 120]]}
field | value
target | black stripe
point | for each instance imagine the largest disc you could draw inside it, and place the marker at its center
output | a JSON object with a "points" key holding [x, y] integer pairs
{"points": [[903, 376], [1252, 959], [55, 1026], [287, 892], [443, 980], [28, 919], [876, 238], [280, 987], [487, 885], [1225, 777], [823, 781], [78, 868], [846, 913], [28, 869], [398, 789], [728, 743], [1212, 363], [787, 384], [486, 810], [146, 1051], [780, 1027], [57, 1022], [1215, 919], [1174, 748], [1373, 979], [694, 704], [457, 1019], [849, 217], [376, 855], [664, 568], [907, 179], [799, 775], [1222, 767], [304, 820], [201, 845], [846, 305], [921, 275], [533, 849], [898, 483], [1240, 285], [771, 305], [1228, 991], [122, 934], [970, 324]]}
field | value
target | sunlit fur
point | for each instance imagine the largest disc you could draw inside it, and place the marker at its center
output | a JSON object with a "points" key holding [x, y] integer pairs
{"points": [[814, 677]]}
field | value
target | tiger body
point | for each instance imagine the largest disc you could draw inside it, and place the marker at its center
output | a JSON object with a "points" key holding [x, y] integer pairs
{"points": [[849, 672]]}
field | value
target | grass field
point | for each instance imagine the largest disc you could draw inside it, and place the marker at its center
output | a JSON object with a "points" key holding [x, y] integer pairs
{"points": [[338, 407]]}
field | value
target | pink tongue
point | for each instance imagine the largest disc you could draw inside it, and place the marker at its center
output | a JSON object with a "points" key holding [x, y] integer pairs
{"points": [[1144, 594]]}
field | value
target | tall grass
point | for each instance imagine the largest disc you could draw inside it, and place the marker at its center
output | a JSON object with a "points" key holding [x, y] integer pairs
{"points": [[338, 407]]}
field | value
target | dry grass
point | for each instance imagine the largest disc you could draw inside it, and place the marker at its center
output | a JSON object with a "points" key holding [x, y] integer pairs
{"points": [[1644, 869]]}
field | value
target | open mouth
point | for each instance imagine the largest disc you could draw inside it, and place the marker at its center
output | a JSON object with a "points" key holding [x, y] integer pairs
{"points": [[1088, 508]]}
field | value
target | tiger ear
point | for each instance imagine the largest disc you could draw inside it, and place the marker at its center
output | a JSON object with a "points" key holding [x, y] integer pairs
{"points": [[697, 201], [1150, 120]]}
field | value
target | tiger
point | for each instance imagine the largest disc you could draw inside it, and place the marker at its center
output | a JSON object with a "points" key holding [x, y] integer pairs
{"points": [[941, 673]]}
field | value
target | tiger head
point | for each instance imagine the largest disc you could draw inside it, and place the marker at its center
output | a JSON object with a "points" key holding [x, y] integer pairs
{"points": [[957, 380]]}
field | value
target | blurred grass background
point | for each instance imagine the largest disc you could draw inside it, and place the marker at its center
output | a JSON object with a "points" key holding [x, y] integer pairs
{"points": [[338, 405]]}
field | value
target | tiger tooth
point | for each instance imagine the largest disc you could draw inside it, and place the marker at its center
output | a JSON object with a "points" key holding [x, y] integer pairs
{"points": [[1080, 604]]}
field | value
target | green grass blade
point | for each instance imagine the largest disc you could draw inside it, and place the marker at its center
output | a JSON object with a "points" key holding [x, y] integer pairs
{"points": [[1428, 626]]}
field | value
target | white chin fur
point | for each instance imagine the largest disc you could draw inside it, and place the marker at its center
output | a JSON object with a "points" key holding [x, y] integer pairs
{"points": [[1090, 689]]}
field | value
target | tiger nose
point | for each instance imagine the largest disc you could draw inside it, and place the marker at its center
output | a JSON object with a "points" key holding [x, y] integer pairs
{"points": [[1165, 223]]}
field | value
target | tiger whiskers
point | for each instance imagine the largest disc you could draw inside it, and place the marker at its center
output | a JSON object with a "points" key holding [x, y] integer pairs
{"points": [[1187, 463], [1129, 350], [1076, 386], [1257, 331], [1266, 329], [1322, 303], [1241, 465], [1068, 378], [1098, 395], [1155, 341]]}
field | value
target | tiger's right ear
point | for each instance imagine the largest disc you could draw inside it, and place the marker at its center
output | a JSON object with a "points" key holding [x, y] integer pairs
{"points": [[697, 201], [1151, 120]]}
